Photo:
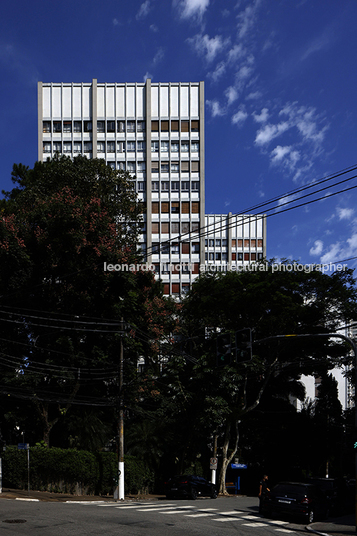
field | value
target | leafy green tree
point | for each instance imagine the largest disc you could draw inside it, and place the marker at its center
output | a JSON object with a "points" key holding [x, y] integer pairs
{"points": [[270, 303], [60, 310]]}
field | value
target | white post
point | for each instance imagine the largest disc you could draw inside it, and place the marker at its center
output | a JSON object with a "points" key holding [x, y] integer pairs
{"points": [[0, 475]]}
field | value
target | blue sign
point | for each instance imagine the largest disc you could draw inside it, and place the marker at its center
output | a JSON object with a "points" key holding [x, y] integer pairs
{"points": [[239, 466], [23, 446]]}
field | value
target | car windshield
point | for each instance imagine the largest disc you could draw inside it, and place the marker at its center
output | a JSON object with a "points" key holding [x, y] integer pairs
{"points": [[292, 490]]}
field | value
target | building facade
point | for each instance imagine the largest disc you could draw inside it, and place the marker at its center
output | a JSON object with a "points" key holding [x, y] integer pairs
{"points": [[155, 131]]}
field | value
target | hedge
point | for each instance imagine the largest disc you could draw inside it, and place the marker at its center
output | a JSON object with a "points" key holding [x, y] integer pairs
{"points": [[72, 471]]}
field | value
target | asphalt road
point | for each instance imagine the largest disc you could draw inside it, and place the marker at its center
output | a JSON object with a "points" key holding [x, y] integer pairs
{"points": [[220, 517]]}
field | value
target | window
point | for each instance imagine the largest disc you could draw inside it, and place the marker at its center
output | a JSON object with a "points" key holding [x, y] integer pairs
{"points": [[240, 243], [174, 126], [47, 147], [195, 207], [234, 256], [246, 256], [195, 186], [155, 186], [195, 226], [121, 146], [121, 126], [77, 146], [234, 242], [253, 256], [101, 147], [46, 126], [224, 242], [165, 249], [211, 243], [218, 243], [166, 289], [185, 207], [175, 228], [130, 126], [165, 228], [185, 227], [260, 243], [195, 247], [253, 243], [240, 256], [185, 186], [175, 186], [154, 126], [165, 207], [155, 207], [246, 243], [141, 166], [211, 256], [121, 166], [174, 146], [165, 186], [100, 126], [224, 256], [195, 125], [140, 126], [175, 249], [195, 166], [110, 126], [111, 165], [77, 126], [175, 288], [195, 146], [154, 167], [185, 166], [164, 167], [67, 126], [57, 147], [196, 268], [131, 167], [175, 207], [164, 146], [111, 146], [130, 146], [185, 248], [185, 147], [185, 126], [165, 268], [175, 167], [141, 146], [217, 256], [87, 126], [154, 146], [155, 228], [185, 288], [67, 146], [164, 126], [57, 126], [260, 256], [141, 186]]}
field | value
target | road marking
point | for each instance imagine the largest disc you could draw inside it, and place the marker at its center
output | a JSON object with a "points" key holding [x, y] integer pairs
{"points": [[284, 530], [199, 515], [223, 519], [254, 524], [250, 517], [232, 512]]}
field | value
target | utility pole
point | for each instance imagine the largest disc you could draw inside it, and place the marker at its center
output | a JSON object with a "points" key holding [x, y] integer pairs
{"points": [[119, 493], [214, 464]]}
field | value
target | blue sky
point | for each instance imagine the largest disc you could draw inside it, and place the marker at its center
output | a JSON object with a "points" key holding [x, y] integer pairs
{"points": [[280, 89]]}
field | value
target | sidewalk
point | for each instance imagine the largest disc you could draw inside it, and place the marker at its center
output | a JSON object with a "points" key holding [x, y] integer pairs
{"points": [[339, 526]]}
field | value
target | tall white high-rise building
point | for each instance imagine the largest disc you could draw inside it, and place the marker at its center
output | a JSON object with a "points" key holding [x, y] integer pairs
{"points": [[155, 131]]}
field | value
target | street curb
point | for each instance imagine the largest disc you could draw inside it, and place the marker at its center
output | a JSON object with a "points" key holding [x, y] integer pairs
{"points": [[310, 529]]}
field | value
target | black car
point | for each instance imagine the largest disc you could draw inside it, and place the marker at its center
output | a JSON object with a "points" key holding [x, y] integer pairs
{"points": [[188, 486], [296, 499], [340, 496]]}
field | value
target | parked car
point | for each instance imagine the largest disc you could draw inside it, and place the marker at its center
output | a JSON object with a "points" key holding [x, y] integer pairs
{"points": [[188, 486], [296, 499], [340, 496]]}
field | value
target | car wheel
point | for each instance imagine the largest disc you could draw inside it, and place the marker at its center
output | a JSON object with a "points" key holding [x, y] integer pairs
{"points": [[193, 493], [311, 516], [214, 494]]}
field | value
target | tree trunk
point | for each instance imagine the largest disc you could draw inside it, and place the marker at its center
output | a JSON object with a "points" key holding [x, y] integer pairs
{"points": [[226, 460]]}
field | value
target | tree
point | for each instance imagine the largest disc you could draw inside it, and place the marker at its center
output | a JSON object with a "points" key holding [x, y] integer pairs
{"points": [[61, 311], [270, 303]]}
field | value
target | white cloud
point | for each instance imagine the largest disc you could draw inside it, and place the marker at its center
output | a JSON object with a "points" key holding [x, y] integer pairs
{"points": [[207, 47], [345, 213], [247, 18], [239, 117], [263, 117], [158, 56], [317, 248], [191, 9], [236, 52], [254, 95], [306, 121], [279, 153], [218, 72], [154, 28], [143, 10], [115, 22], [216, 109], [269, 132], [231, 95], [340, 251], [147, 75]]}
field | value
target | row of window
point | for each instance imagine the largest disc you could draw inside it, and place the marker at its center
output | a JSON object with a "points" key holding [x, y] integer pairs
{"points": [[236, 242], [175, 288], [119, 146], [186, 186], [175, 207], [177, 227], [120, 126], [174, 248]]}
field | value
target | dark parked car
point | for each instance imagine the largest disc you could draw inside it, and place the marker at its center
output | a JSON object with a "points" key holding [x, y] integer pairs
{"points": [[340, 496], [296, 499], [189, 486]]}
